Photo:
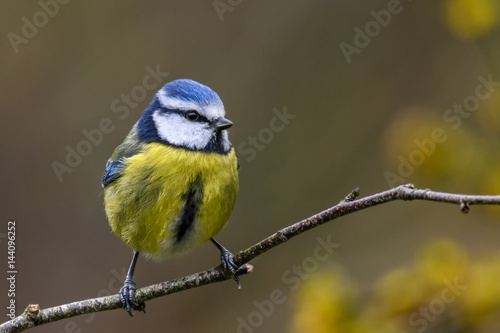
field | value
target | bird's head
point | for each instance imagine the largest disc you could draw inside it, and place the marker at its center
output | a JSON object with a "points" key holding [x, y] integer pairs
{"points": [[186, 114]]}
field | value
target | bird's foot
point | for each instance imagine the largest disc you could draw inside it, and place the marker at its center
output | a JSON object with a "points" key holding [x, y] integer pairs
{"points": [[229, 266], [127, 297]]}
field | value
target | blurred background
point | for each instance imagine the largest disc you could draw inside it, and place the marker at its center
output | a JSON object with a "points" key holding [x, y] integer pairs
{"points": [[325, 96]]}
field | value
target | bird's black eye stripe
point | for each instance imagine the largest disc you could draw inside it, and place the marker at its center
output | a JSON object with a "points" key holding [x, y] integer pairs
{"points": [[192, 115]]}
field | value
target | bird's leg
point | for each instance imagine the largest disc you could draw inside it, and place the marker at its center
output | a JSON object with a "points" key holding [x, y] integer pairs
{"points": [[127, 292], [227, 261]]}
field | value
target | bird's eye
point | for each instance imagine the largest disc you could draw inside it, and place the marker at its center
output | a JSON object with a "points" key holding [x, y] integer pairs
{"points": [[192, 115]]}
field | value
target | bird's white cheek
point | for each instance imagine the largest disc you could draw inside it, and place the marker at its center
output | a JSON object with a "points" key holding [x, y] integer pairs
{"points": [[178, 131], [225, 141]]}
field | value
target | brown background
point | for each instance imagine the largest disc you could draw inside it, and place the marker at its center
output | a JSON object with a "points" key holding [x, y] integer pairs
{"points": [[263, 55]]}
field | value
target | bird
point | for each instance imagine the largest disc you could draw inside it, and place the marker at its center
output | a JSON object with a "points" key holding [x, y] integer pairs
{"points": [[173, 182]]}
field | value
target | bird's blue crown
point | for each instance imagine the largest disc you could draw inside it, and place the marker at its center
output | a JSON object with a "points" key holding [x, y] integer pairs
{"points": [[191, 91]]}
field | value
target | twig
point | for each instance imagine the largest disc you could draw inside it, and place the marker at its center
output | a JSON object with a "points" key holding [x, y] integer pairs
{"points": [[34, 317]]}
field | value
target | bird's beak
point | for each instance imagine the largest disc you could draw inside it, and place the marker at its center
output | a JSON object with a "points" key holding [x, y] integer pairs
{"points": [[222, 124]]}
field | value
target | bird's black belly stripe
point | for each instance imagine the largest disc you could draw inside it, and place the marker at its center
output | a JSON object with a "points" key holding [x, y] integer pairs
{"points": [[193, 198]]}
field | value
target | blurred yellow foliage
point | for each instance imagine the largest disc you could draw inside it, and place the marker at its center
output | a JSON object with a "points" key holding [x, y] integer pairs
{"points": [[393, 285], [471, 19], [445, 290], [441, 260], [482, 298], [413, 123], [327, 303], [463, 154]]}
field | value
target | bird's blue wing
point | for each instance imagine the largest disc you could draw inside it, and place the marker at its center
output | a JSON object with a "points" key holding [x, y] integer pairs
{"points": [[112, 172], [116, 164]]}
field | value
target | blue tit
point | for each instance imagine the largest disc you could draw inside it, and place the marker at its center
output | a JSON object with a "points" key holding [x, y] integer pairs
{"points": [[173, 182]]}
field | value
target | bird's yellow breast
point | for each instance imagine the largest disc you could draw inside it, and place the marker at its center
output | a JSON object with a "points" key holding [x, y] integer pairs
{"points": [[169, 200]]}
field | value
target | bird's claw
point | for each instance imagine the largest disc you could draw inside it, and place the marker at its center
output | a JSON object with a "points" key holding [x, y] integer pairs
{"points": [[127, 297], [229, 266]]}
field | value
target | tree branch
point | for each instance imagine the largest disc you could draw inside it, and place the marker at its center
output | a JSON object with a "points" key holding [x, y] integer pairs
{"points": [[32, 316]]}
